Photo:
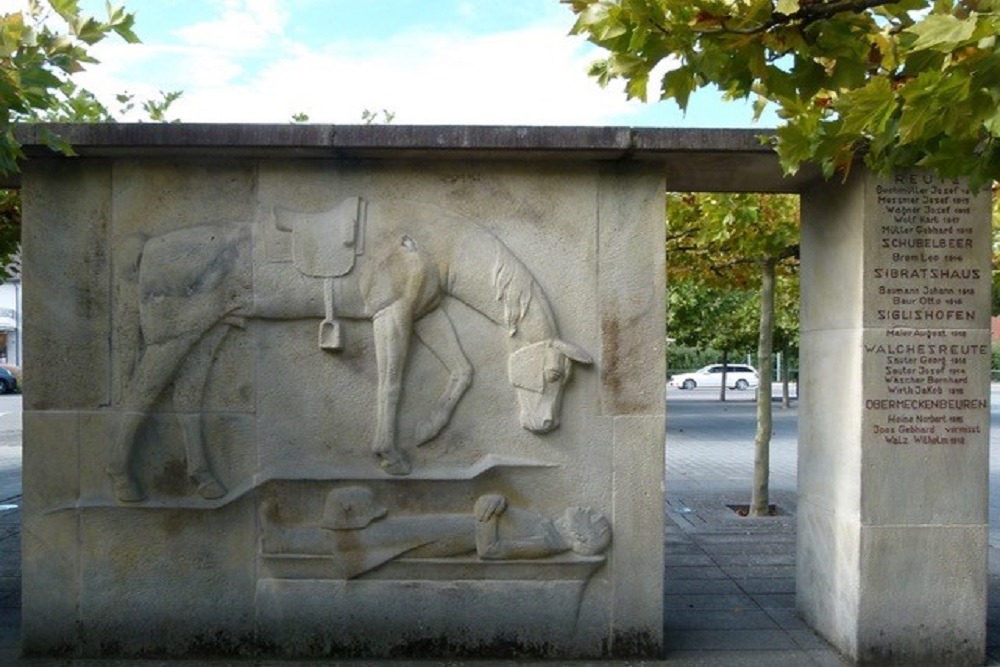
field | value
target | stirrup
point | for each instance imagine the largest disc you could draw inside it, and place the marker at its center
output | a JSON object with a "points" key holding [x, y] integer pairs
{"points": [[331, 337]]}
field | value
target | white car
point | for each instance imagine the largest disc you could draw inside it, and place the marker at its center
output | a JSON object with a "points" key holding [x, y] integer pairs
{"points": [[738, 376]]}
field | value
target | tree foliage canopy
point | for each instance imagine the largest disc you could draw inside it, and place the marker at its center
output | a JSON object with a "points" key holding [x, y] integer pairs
{"points": [[41, 47], [912, 83], [715, 245]]}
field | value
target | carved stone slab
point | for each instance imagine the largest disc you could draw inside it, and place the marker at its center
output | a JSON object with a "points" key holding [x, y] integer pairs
{"points": [[448, 468]]}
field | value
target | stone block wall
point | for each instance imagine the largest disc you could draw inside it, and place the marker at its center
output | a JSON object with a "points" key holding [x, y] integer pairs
{"points": [[393, 407]]}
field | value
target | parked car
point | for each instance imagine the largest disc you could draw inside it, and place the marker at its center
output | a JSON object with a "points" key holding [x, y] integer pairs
{"points": [[8, 383], [738, 376]]}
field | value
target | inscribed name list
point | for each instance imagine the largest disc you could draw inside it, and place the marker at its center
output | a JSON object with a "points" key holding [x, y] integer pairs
{"points": [[927, 300]]}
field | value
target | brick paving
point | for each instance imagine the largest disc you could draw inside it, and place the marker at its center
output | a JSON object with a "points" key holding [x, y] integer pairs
{"points": [[730, 580]]}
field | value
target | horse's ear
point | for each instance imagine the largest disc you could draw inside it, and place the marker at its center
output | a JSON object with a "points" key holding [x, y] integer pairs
{"points": [[574, 352]]}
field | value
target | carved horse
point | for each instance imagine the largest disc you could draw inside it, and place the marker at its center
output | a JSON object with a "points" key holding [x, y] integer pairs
{"points": [[391, 264]]}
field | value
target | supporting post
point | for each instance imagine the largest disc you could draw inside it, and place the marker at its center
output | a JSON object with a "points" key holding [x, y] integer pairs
{"points": [[894, 420]]}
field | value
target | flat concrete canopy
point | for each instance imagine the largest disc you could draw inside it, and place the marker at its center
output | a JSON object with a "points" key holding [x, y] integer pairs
{"points": [[693, 160]]}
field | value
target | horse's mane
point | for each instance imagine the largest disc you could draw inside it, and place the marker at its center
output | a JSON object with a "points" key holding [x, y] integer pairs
{"points": [[514, 286]]}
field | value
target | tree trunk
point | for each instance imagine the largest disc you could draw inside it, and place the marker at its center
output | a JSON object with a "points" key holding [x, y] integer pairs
{"points": [[786, 398], [759, 500]]}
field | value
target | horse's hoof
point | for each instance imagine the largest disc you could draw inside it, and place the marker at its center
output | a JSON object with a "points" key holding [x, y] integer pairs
{"points": [[209, 488], [125, 489], [395, 466], [427, 431], [423, 434]]}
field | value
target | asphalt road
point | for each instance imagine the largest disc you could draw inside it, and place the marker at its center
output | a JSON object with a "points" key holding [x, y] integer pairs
{"points": [[10, 412], [10, 446], [709, 445]]}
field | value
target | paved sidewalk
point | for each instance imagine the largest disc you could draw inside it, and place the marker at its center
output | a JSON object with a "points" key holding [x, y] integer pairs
{"points": [[10, 528], [730, 582]]}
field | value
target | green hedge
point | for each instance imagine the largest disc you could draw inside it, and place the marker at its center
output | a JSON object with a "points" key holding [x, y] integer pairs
{"points": [[684, 359]]}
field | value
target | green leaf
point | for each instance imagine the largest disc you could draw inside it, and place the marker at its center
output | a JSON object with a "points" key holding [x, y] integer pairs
{"points": [[67, 9], [123, 28], [795, 146], [942, 32], [38, 57], [637, 40], [932, 103], [904, 80], [787, 7], [868, 109], [594, 14], [599, 70], [678, 85], [10, 152], [625, 64], [88, 30], [636, 86], [54, 141], [608, 31], [992, 124]]}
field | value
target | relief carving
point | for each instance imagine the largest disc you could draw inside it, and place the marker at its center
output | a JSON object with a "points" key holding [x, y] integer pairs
{"points": [[394, 269], [356, 535]]}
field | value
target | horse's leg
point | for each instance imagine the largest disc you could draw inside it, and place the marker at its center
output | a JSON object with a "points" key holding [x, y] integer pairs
{"points": [[124, 486], [435, 330], [191, 393], [392, 327], [157, 365]]}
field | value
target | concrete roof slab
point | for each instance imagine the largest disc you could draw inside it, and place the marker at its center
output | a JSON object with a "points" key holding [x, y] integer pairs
{"points": [[699, 159]]}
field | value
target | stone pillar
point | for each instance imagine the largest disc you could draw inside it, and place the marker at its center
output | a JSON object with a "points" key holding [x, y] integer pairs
{"points": [[894, 418]]}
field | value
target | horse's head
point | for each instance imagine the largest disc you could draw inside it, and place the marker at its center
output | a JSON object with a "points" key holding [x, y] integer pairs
{"points": [[539, 372]]}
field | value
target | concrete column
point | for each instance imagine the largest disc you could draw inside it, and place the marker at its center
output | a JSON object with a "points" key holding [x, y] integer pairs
{"points": [[894, 418], [630, 307]]}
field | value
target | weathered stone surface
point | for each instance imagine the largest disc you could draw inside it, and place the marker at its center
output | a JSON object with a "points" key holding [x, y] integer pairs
{"points": [[398, 391], [895, 418], [66, 291], [50, 541], [828, 567], [638, 617], [907, 566], [633, 341], [692, 159], [335, 399]]}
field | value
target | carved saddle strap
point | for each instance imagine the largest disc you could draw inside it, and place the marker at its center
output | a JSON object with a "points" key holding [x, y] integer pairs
{"points": [[330, 334]]}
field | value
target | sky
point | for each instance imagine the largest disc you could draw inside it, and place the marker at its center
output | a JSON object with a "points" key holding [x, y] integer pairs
{"points": [[474, 62]]}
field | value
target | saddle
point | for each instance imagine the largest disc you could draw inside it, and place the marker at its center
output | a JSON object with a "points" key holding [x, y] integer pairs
{"points": [[326, 245]]}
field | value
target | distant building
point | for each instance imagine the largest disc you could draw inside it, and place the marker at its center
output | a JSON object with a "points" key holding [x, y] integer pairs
{"points": [[10, 323]]}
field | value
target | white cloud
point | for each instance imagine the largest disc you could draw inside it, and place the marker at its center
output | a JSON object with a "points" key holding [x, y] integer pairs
{"points": [[532, 76], [240, 65], [242, 26], [536, 75]]}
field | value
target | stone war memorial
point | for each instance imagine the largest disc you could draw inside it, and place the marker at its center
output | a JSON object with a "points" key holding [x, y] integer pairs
{"points": [[398, 392]]}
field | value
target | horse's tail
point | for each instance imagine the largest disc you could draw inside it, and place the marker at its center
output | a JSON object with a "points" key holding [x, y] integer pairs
{"points": [[127, 332]]}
